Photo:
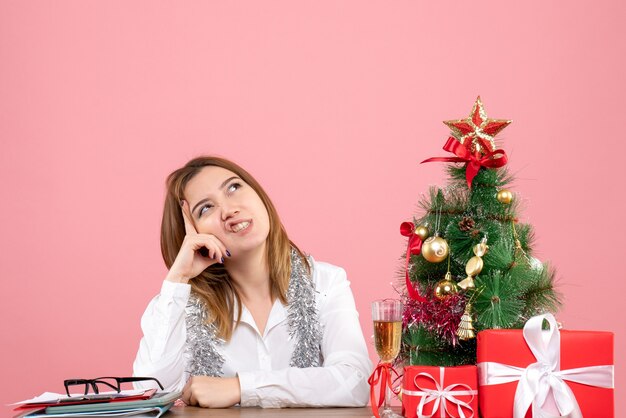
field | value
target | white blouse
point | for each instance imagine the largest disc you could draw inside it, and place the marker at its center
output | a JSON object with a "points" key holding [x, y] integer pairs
{"points": [[262, 361]]}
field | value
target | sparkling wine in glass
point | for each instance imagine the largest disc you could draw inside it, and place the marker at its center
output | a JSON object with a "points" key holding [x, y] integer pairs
{"points": [[387, 316]]}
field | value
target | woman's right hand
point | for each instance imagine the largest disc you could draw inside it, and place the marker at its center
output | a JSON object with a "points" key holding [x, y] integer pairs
{"points": [[189, 262]]}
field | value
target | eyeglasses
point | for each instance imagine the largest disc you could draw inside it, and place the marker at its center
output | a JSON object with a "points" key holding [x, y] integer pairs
{"points": [[114, 383]]}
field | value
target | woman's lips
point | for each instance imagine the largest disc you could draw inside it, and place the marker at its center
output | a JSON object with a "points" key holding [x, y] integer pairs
{"points": [[241, 228]]}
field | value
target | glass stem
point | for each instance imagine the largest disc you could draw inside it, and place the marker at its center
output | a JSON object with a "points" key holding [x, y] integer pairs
{"points": [[387, 398]]}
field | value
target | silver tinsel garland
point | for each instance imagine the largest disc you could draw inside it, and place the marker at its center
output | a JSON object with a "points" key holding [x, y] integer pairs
{"points": [[302, 315], [204, 358], [202, 341]]}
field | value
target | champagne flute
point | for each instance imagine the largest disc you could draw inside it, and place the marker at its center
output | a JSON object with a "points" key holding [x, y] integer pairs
{"points": [[387, 316]]}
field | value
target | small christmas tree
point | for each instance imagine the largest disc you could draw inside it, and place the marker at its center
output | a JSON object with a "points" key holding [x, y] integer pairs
{"points": [[469, 263]]}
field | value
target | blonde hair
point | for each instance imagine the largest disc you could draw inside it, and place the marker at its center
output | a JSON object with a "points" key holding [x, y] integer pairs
{"points": [[214, 286]]}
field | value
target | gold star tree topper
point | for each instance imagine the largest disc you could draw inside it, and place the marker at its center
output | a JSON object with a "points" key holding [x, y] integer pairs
{"points": [[477, 131]]}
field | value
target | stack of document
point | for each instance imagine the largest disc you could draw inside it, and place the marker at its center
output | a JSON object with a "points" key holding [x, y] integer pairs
{"points": [[127, 403]]}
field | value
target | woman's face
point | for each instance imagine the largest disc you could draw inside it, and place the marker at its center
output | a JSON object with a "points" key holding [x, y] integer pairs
{"points": [[222, 204]]}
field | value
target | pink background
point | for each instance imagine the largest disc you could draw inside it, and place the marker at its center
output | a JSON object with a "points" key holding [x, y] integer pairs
{"points": [[330, 104]]}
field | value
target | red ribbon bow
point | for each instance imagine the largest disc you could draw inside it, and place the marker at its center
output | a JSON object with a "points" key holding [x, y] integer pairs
{"points": [[413, 248], [382, 374], [474, 161]]}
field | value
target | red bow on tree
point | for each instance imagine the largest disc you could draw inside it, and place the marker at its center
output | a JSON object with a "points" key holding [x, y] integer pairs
{"points": [[474, 161], [413, 248]]}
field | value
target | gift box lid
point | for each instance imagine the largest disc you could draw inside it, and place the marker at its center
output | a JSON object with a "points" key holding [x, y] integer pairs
{"points": [[578, 348]]}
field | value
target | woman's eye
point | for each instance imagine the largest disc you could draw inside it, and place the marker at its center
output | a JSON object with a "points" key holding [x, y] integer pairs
{"points": [[233, 187], [202, 209]]}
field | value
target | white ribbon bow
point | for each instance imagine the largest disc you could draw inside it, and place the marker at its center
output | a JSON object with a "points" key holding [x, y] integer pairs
{"points": [[441, 395], [545, 377]]}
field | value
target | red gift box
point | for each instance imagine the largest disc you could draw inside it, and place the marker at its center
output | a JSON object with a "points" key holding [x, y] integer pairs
{"points": [[440, 392], [567, 369]]}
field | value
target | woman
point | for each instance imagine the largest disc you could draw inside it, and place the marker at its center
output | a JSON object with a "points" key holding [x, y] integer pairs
{"points": [[243, 316]]}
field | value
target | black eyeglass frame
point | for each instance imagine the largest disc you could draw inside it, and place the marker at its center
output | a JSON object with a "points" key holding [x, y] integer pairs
{"points": [[95, 382]]}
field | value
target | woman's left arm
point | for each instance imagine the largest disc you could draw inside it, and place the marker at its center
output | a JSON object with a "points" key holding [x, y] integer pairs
{"points": [[342, 379]]}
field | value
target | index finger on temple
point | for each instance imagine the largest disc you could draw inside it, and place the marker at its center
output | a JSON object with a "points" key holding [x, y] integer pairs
{"points": [[189, 227]]}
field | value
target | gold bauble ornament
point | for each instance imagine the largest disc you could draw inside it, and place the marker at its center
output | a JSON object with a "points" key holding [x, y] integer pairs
{"points": [[474, 266], [435, 249], [505, 196], [422, 232], [445, 288]]}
